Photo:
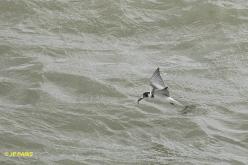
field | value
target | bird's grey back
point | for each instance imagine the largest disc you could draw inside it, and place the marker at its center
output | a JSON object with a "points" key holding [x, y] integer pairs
{"points": [[163, 92]]}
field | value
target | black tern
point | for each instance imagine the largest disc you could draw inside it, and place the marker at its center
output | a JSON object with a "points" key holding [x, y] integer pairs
{"points": [[159, 89]]}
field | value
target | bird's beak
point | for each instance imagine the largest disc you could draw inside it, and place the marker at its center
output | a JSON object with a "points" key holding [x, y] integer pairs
{"points": [[140, 99]]}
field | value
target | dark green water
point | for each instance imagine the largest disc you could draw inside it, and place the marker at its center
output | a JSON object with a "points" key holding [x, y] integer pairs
{"points": [[72, 71]]}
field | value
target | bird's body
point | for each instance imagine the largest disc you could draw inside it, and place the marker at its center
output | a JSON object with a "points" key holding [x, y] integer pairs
{"points": [[159, 89]]}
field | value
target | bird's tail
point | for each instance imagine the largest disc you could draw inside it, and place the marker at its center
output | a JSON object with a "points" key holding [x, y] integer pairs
{"points": [[174, 102]]}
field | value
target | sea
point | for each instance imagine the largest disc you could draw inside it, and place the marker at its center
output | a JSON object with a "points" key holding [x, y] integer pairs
{"points": [[71, 72]]}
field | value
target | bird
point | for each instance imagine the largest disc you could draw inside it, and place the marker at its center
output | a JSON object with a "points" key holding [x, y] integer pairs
{"points": [[159, 89]]}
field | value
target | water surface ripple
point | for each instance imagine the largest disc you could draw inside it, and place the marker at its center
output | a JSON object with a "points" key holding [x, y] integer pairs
{"points": [[71, 72]]}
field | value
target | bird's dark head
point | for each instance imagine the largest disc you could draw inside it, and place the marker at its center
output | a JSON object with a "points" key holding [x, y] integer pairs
{"points": [[145, 94]]}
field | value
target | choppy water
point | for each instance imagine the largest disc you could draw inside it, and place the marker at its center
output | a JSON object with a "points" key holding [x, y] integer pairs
{"points": [[72, 71]]}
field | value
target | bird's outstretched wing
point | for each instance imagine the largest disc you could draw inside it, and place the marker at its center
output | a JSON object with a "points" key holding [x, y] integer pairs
{"points": [[156, 80]]}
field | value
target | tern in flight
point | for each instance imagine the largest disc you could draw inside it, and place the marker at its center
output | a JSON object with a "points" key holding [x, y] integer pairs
{"points": [[159, 89]]}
